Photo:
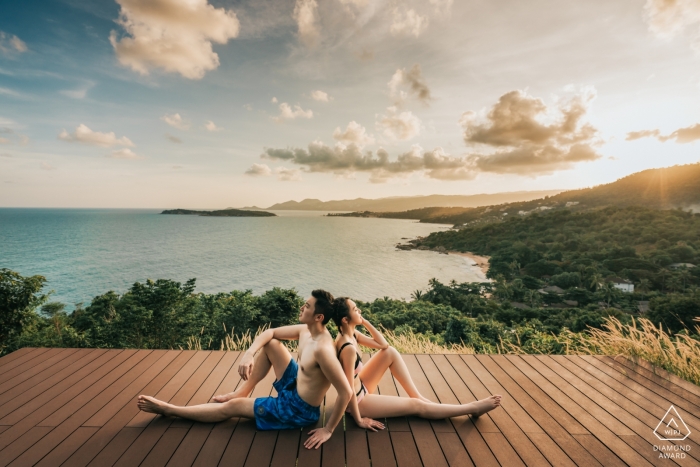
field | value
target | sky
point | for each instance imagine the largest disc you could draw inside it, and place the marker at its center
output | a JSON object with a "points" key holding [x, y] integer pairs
{"points": [[213, 104]]}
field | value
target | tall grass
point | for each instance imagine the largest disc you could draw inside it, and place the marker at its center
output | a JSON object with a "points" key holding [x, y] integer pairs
{"points": [[408, 342], [233, 342]]}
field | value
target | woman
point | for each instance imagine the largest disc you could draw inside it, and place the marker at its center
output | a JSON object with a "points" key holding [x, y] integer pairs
{"points": [[365, 377]]}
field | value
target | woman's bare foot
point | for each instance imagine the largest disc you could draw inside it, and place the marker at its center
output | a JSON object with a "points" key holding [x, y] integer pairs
{"points": [[152, 405], [485, 405], [231, 395]]}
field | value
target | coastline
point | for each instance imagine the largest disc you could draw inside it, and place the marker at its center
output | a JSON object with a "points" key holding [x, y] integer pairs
{"points": [[481, 261]]}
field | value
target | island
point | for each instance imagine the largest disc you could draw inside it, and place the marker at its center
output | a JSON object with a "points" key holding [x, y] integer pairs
{"points": [[221, 213]]}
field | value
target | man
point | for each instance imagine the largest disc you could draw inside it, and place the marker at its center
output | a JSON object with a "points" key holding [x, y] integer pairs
{"points": [[300, 387]]}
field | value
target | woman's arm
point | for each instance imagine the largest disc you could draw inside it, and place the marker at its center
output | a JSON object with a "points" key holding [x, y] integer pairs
{"points": [[377, 340]]}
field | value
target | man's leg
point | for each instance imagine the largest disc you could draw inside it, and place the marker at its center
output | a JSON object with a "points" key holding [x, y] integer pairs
{"points": [[273, 355], [207, 413]]}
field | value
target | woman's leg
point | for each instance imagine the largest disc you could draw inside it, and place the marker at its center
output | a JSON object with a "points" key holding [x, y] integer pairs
{"points": [[275, 355], [207, 413], [376, 406], [391, 359]]}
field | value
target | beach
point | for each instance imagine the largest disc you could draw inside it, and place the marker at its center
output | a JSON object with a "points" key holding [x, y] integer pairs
{"points": [[481, 261]]}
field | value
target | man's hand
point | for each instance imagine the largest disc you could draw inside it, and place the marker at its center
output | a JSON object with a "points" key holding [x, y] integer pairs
{"points": [[245, 369], [317, 438], [370, 424]]}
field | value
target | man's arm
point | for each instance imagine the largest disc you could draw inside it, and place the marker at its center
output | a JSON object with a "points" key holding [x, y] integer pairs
{"points": [[330, 366], [245, 368]]}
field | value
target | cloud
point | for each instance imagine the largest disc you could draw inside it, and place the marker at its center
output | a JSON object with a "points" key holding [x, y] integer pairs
{"points": [[273, 100], [23, 139], [399, 126], [353, 134], [83, 134], [342, 160], [79, 93], [669, 18], [248, 107], [408, 22], [172, 35], [287, 113], [9, 43], [682, 135], [47, 166], [173, 139], [288, 175], [408, 83], [442, 6], [259, 170], [320, 96], [9, 92], [124, 153], [176, 121], [211, 126], [522, 143], [306, 16]]}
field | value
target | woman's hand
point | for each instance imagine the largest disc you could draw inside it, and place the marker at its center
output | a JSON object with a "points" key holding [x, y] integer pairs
{"points": [[245, 369], [317, 438], [369, 424]]}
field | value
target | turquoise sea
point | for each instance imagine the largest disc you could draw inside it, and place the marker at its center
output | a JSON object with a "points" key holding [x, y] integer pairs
{"points": [[86, 252]]}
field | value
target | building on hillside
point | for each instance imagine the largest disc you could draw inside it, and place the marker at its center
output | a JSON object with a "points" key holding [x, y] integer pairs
{"points": [[552, 289], [681, 266], [520, 306], [623, 284]]}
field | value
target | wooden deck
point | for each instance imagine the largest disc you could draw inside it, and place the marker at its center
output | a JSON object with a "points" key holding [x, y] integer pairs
{"points": [[76, 407]]}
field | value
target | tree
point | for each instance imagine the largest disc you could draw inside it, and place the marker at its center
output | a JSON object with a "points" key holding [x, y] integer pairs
{"points": [[417, 294], [19, 297], [644, 286], [596, 281]]}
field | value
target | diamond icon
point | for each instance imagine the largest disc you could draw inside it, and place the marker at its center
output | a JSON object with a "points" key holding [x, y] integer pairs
{"points": [[672, 427]]}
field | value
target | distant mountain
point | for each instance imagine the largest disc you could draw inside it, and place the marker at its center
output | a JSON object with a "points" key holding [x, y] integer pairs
{"points": [[408, 202], [220, 213]]}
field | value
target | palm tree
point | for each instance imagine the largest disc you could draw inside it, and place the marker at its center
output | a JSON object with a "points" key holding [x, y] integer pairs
{"points": [[596, 280], [471, 299], [417, 295], [533, 297], [685, 276], [644, 286], [609, 292]]}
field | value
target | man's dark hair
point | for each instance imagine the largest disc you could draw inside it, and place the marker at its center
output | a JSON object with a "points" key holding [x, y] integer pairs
{"points": [[324, 304]]}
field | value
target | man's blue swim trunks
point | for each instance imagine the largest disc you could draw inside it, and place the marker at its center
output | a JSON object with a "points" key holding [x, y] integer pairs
{"points": [[287, 410]]}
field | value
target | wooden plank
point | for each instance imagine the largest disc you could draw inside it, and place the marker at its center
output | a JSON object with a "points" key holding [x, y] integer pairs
{"points": [[482, 384], [5, 359], [427, 443], [506, 457], [189, 448], [33, 412], [108, 456], [87, 403], [639, 364], [24, 372], [405, 449], [37, 385], [239, 446], [420, 379], [286, 449], [381, 450], [27, 359], [601, 452], [470, 430], [67, 447], [657, 385], [161, 452], [111, 429], [562, 448], [262, 449], [635, 410], [453, 450], [23, 443], [4, 427], [357, 448], [601, 424]]}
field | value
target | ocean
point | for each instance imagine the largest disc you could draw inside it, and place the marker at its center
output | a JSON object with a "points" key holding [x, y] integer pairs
{"points": [[87, 252]]}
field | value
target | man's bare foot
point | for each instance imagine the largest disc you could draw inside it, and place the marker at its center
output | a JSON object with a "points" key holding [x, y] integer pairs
{"points": [[152, 405], [485, 405]]}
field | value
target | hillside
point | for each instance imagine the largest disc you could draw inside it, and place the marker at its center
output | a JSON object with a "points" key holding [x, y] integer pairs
{"points": [[220, 213], [665, 188], [409, 202]]}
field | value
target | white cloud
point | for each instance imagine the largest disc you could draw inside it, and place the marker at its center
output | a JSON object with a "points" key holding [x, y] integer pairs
{"points": [[670, 18], [211, 126], [176, 121], [399, 126], [306, 16], [408, 83], [83, 134], [287, 113], [9, 43], [273, 100], [320, 96], [9, 92], [259, 170], [172, 35], [79, 93], [408, 22], [124, 153], [353, 134], [288, 175]]}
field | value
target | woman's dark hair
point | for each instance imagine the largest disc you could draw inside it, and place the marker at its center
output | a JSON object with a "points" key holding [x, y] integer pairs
{"points": [[341, 310], [324, 304]]}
